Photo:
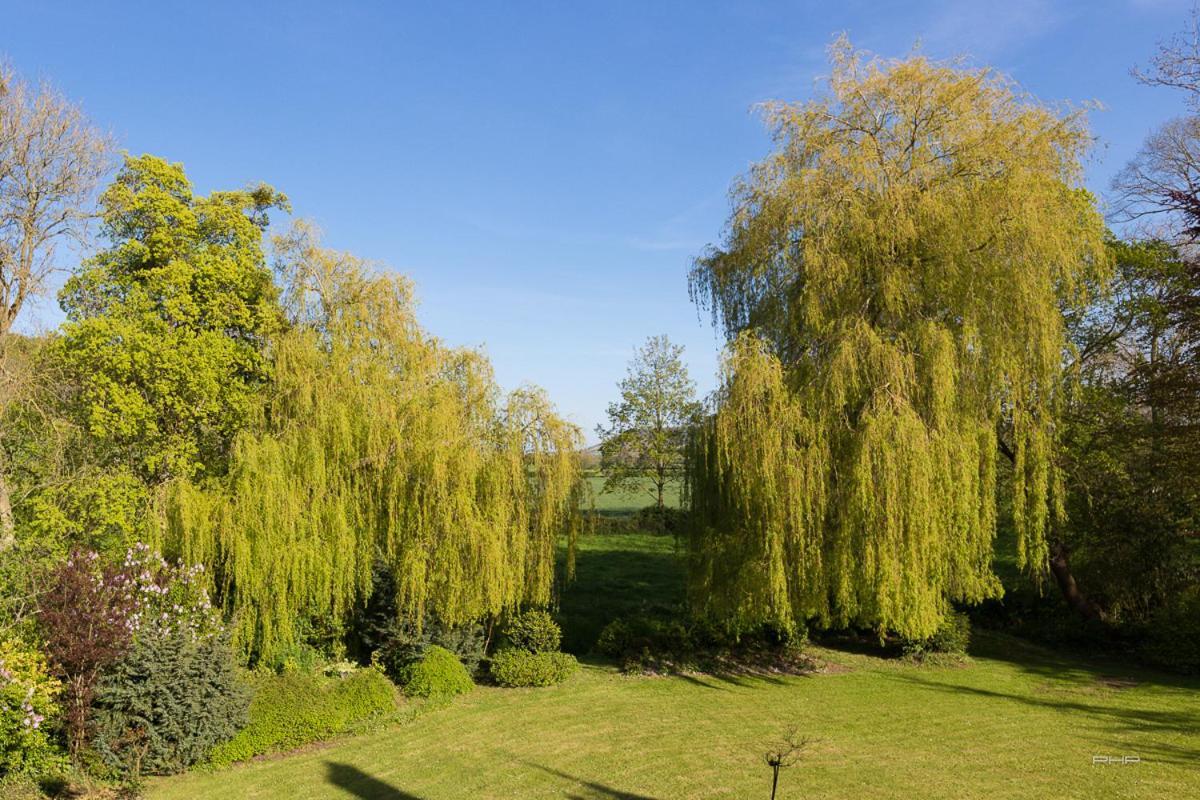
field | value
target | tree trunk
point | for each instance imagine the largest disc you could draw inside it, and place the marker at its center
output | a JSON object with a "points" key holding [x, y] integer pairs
{"points": [[1061, 568], [1076, 599], [8, 534]]}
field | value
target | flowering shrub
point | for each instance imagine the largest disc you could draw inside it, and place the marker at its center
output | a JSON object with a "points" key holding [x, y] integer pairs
{"points": [[85, 618], [166, 598], [93, 614], [28, 710]]}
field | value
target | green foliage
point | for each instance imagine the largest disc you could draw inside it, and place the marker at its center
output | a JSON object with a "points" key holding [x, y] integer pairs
{"points": [[378, 442], [892, 282], [1131, 445], [644, 441], [534, 630], [438, 675], [513, 667], [167, 703], [29, 711], [377, 633], [668, 520], [165, 329], [1173, 636], [952, 637], [296, 708]]}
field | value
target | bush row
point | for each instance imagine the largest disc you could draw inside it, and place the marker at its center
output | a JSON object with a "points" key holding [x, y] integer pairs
{"points": [[297, 708]]}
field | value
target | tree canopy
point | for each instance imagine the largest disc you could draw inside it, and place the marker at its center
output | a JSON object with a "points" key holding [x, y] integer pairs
{"points": [[892, 281], [378, 442], [166, 328]]}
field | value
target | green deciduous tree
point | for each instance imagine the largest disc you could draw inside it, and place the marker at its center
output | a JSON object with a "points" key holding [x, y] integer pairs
{"points": [[377, 442], [1131, 434], [647, 427], [892, 279], [166, 328]]}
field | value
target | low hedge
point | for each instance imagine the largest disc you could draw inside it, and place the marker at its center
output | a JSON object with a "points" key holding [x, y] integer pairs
{"points": [[297, 708], [512, 667]]}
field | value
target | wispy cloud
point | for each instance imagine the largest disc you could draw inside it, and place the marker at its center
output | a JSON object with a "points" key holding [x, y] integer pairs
{"points": [[985, 29]]}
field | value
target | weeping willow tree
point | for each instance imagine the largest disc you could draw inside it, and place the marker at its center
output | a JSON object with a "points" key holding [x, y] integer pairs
{"points": [[378, 442], [892, 280]]}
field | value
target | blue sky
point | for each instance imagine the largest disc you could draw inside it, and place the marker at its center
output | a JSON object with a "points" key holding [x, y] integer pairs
{"points": [[545, 172]]}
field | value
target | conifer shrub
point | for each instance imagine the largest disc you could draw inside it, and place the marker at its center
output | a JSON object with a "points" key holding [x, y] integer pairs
{"points": [[514, 668], [165, 705], [535, 631], [380, 633], [438, 675], [296, 708]]}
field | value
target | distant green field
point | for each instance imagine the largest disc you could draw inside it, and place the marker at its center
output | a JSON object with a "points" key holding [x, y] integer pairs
{"points": [[629, 502]]}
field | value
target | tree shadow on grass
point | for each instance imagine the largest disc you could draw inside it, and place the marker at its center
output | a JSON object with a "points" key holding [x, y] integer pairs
{"points": [[1126, 727], [589, 790], [361, 785], [614, 583], [1084, 670]]}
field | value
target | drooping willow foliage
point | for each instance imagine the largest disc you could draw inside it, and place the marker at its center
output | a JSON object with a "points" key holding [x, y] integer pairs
{"points": [[892, 281], [378, 442]]}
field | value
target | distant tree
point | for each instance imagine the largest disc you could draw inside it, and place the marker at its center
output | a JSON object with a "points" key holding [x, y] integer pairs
{"points": [[51, 161], [647, 427]]}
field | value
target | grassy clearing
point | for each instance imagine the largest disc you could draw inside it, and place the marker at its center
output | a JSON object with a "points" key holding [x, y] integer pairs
{"points": [[627, 502], [615, 575], [1017, 722]]}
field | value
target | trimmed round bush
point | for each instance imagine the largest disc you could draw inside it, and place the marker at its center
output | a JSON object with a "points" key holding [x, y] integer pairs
{"points": [[535, 631], [439, 675], [513, 667]]}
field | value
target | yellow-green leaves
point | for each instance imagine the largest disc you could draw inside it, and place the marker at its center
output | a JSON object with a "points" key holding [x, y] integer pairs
{"points": [[377, 442], [165, 328], [892, 278]]}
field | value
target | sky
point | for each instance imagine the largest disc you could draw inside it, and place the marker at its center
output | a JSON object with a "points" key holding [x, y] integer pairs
{"points": [[544, 172]]}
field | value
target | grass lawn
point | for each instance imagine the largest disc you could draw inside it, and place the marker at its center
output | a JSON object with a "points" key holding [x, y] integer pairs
{"points": [[627, 502], [1016, 722], [615, 575]]}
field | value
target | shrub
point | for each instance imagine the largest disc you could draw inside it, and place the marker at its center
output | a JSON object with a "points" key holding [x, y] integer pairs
{"points": [[296, 708], [28, 711], [167, 703], [535, 631], [661, 520], [1173, 637], [379, 633], [952, 637], [513, 667], [644, 641], [438, 675], [85, 617]]}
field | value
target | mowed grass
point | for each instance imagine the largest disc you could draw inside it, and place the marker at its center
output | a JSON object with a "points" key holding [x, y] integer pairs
{"points": [[1016, 722], [629, 501], [616, 575]]}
